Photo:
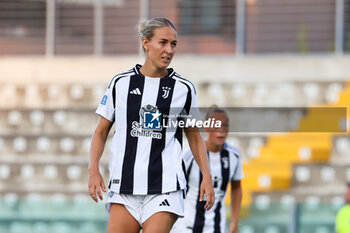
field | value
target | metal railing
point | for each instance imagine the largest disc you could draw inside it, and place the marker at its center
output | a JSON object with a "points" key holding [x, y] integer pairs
{"points": [[107, 27]]}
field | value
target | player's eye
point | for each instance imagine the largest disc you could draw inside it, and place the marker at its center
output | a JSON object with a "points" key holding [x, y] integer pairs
{"points": [[174, 44]]}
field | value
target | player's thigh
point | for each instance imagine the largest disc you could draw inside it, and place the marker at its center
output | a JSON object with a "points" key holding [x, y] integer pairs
{"points": [[121, 221], [160, 222]]}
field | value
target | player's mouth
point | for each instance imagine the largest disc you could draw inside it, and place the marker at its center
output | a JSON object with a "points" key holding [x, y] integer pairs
{"points": [[166, 59], [220, 138]]}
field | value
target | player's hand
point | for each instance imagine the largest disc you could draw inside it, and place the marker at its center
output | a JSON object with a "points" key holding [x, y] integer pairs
{"points": [[96, 183], [208, 190], [233, 228]]}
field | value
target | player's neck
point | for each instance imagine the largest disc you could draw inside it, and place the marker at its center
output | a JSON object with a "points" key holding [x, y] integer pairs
{"points": [[213, 147], [152, 71]]}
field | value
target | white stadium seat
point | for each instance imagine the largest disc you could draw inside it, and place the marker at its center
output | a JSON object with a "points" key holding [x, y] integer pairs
{"points": [[60, 118], [302, 174], [58, 198], [40, 227], [264, 181], [86, 144], [311, 91], [20, 144], [287, 201], [342, 145], [312, 202], [327, 174], [239, 91], [54, 91], [43, 144], [50, 172], [37, 118], [322, 229], [262, 202], [14, 117], [67, 144], [332, 94], [27, 171], [77, 92], [337, 202], [5, 171], [247, 229], [73, 172], [305, 153], [272, 229]]}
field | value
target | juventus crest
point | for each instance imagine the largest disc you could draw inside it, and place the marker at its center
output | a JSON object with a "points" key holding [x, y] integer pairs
{"points": [[166, 91]]}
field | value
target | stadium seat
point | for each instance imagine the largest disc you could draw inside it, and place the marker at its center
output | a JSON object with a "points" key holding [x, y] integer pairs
{"points": [[247, 229], [287, 201], [76, 92], [43, 144], [272, 229], [239, 91], [302, 174], [98, 92], [262, 202], [61, 227], [20, 144], [60, 118], [19, 227], [50, 172], [332, 94], [37, 118], [86, 145], [216, 92], [342, 145], [311, 91], [5, 171], [327, 174], [40, 227], [27, 172], [312, 202], [88, 227], [304, 153], [54, 92], [14, 118], [67, 144], [337, 202], [73, 172], [32, 96]]}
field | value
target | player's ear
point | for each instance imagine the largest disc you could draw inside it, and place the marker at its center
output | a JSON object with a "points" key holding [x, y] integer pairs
{"points": [[145, 44]]}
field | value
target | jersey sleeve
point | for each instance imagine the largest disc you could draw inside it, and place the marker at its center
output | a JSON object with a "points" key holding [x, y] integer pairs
{"points": [[238, 169], [106, 107]]}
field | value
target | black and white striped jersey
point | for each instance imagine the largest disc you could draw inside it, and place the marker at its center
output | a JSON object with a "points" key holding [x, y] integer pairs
{"points": [[145, 157], [225, 166]]}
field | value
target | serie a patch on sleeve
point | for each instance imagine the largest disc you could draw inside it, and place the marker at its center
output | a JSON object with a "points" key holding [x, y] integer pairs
{"points": [[104, 100]]}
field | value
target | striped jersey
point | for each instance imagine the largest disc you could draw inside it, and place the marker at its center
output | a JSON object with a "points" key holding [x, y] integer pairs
{"points": [[145, 156], [225, 166]]}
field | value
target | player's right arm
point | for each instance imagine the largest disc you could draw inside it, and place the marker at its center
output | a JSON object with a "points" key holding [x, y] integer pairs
{"points": [[99, 138]]}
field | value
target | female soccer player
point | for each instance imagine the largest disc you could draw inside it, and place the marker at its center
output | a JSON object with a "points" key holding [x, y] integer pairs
{"points": [[225, 166], [147, 178]]}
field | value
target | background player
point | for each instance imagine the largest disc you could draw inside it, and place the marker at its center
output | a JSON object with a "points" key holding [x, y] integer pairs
{"points": [[225, 166], [146, 176]]}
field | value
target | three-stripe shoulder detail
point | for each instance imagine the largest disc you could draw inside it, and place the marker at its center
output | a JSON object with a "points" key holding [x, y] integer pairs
{"points": [[232, 150], [185, 81], [121, 75]]}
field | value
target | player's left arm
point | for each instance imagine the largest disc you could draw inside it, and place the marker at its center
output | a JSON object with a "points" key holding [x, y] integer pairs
{"points": [[236, 198]]}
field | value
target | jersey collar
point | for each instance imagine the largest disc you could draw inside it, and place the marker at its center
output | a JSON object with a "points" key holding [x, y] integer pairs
{"points": [[137, 67]]}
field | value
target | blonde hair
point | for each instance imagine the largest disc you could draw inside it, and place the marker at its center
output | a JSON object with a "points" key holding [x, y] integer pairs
{"points": [[146, 28]]}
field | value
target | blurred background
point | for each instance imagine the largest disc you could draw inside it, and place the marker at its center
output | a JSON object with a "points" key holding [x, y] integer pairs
{"points": [[57, 57]]}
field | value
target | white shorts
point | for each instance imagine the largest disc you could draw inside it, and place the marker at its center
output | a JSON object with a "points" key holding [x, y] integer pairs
{"points": [[141, 207]]}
